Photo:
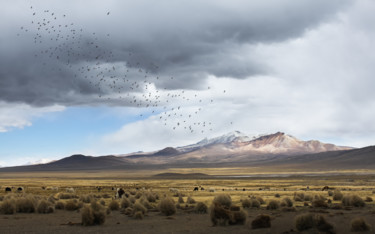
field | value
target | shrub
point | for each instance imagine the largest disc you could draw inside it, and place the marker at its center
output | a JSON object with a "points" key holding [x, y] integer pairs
{"points": [[25, 205], [138, 206], [150, 197], [261, 221], [307, 221], [94, 214], [138, 215], [180, 199], [145, 203], [138, 195], [125, 202], [45, 207], [60, 205], [299, 197], [223, 200], [239, 217], [113, 205], [337, 195], [190, 200], [220, 215], [255, 203], [71, 205], [128, 211], [346, 200], [201, 208], [273, 205], [287, 202], [167, 206], [353, 200], [261, 201], [132, 199], [319, 202], [359, 225], [246, 203], [8, 206]]}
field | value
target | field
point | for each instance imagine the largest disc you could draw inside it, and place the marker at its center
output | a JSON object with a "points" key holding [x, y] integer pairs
{"points": [[337, 205]]}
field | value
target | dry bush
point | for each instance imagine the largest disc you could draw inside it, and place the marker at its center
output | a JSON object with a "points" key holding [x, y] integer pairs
{"points": [[125, 202], [308, 221], [67, 196], [368, 199], [102, 202], [138, 195], [330, 193], [151, 197], [60, 205], [180, 199], [8, 206], [277, 195], [87, 198], [261, 221], [138, 215], [26, 204], [146, 203], [273, 205], [260, 200], [113, 205], [239, 217], [132, 199], [220, 214], [287, 202], [246, 203], [167, 206], [190, 200], [138, 206], [45, 207], [299, 197], [223, 200], [52, 199], [353, 200], [201, 208], [337, 195], [319, 202], [128, 211], [255, 203], [71, 205], [94, 214], [359, 225]]}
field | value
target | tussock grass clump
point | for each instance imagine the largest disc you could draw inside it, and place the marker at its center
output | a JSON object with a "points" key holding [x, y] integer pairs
{"points": [[151, 197], [261, 221], [308, 197], [246, 203], [368, 199], [308, 221], [87, 198], [128, 211], [190, 200], [299, 197], [1, 197], [359, 225], [220, 214], [167, 206], [277, 195], [132, 199], [67, 196], [260, 199], [60, 205], [223, 200], [102, 202], [113, 205], [8, 206], [45, 207], [138, 195], [353, 200], [319, 202], [330, 193], [94, 214], [138, 215], [273, 205], [125, 202], [181, 199], [52, 199], [146, 203], [201, 208], [138, 206], [255, 203], [337, 195], [287, 202], [71, 205], [239, 217], [26, 204]]}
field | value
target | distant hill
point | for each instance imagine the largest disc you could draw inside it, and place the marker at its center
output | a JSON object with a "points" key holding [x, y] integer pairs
{"points": [[232, 149]]}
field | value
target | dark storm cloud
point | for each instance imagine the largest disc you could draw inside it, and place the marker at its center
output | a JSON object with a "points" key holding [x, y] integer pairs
{"points": [[188, 40]]}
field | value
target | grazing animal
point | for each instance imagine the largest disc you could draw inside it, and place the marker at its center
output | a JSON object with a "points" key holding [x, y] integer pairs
{"points": [[243, 189], [325, 188], [202, 189], [119, 193], [196, 189], [8, 189], [70, 190], [20, 189]]}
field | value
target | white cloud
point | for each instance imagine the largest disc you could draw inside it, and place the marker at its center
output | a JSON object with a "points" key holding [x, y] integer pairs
{"points": [[14, 116]]}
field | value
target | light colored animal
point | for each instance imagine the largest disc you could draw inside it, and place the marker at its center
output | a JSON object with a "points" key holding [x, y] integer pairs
{"points": [[174, 190]]}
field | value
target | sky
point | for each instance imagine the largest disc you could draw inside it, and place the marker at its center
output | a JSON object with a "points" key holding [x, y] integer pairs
{"points": [[115, 77]]}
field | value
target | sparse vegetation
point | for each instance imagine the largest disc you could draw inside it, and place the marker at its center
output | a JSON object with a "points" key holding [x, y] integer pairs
{"points": [[337, 195], [8, 207], [287, 202], [138, 206], [353, 200], [26, 204], [94, 214], [246, 203], [308, 221], [125, 203], [201, 208], [113, 205], [60, 205], [273, 205], [45, 207], [71, 205], [359, 225], [190, 200], [167, 206], [261, 221], [223, 200]]}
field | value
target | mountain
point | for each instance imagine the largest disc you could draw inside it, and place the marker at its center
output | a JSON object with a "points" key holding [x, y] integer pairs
{"points": [[231, 149]]}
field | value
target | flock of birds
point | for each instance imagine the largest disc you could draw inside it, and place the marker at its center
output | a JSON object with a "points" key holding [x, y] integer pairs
{"points": [[134, 84]]}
